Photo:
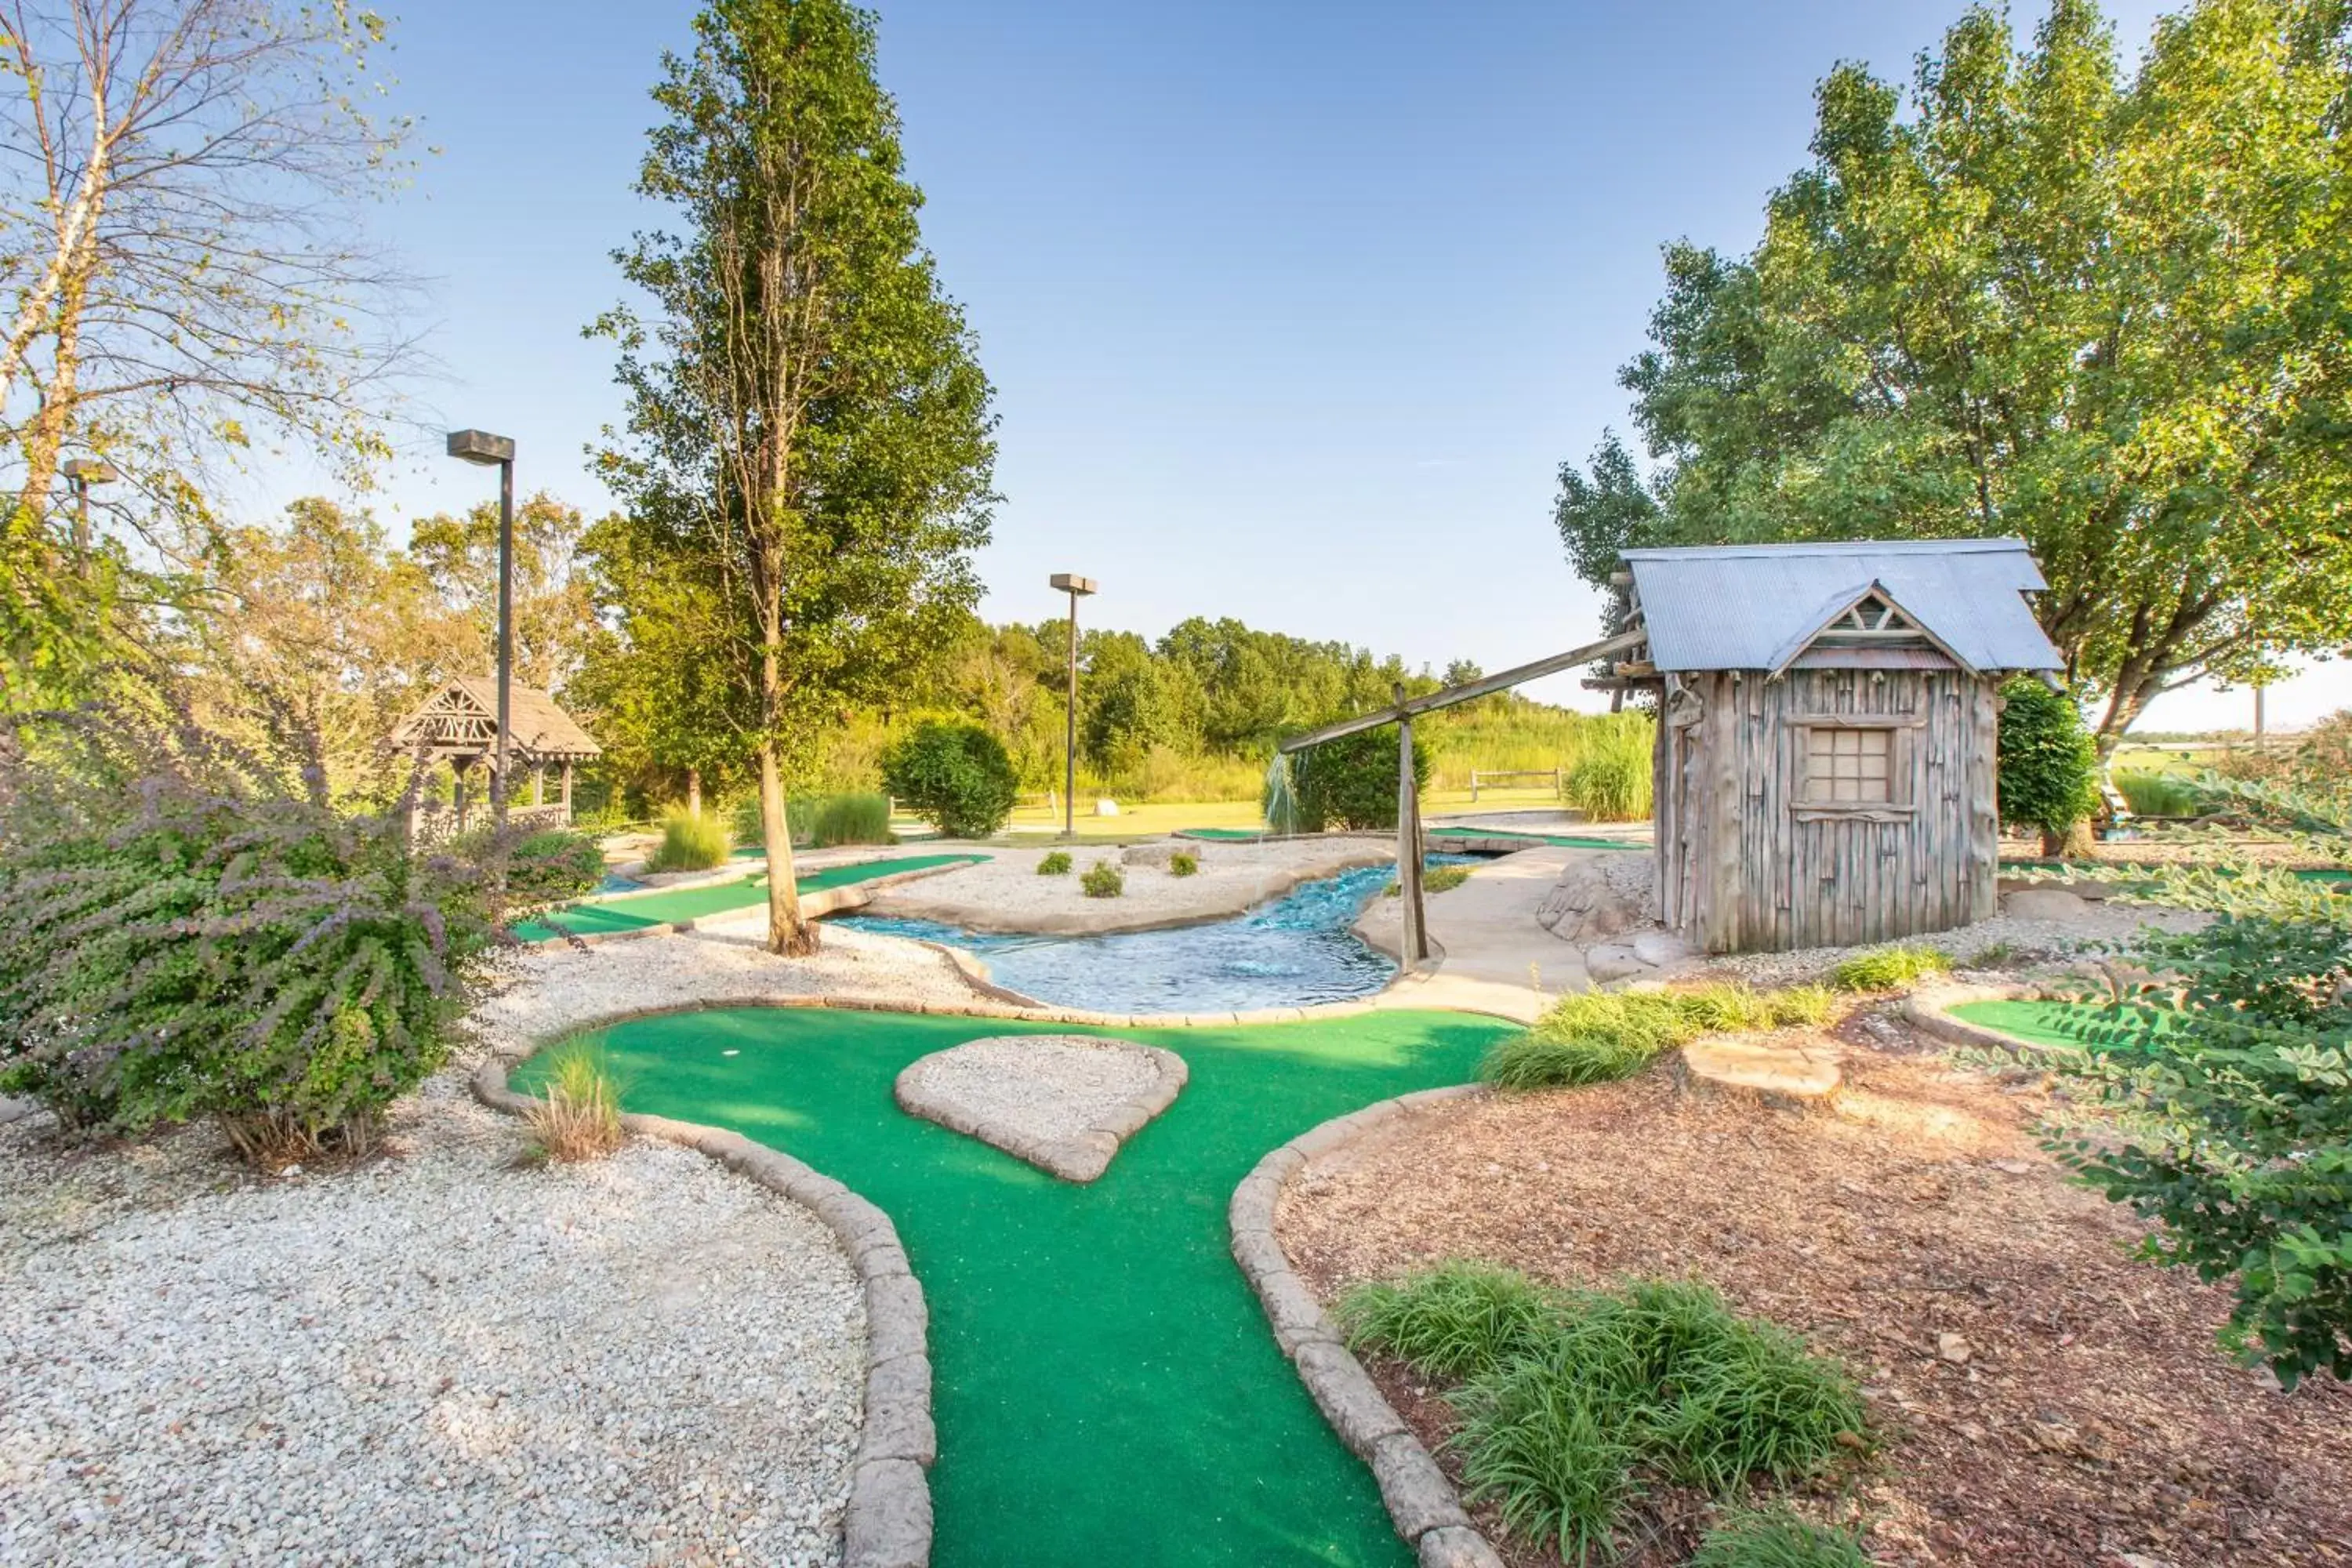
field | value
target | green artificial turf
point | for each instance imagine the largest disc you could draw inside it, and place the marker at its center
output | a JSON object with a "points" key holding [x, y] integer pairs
{"points": [[1223, 835], [2042, 1023], [1106, 1389], [1569, 840], [636, 912]]}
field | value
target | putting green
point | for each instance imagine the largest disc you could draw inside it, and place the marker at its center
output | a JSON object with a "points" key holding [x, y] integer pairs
{"points": [[636, 912], [1106, 1387], [2042, 1023], [1567, 840]]}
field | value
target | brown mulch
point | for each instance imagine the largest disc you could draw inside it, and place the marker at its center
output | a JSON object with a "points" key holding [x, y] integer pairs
{"points": [[2094, 1421]]}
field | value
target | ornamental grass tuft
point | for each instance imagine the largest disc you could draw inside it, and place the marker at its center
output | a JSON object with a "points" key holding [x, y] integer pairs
{"points": [[1889, 968], [578, 1115], [1596, 1037]]}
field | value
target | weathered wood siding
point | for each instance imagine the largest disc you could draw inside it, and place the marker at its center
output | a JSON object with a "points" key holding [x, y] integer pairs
{"points": [[1745, 864]]}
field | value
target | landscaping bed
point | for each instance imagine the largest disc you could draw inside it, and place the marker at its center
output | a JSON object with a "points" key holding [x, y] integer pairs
{"points": [[2036, 1394]]}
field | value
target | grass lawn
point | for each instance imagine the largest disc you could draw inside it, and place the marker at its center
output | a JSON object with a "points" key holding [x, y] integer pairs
{"points": [[1106, 1386]]}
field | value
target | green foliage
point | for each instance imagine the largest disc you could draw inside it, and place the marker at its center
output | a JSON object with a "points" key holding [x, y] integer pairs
{"points": [[859, 818], [1572, 1402], [2043, 297], [1055, 863], [691, 841], [1183, 863], [1103, 880], [1596, 1037], [2158, 795], [1895, 968], [202, 944], [2049, 767], [1610, 779], [1352, 783], [2235, 1108], [1777, 1538], [1436, 879], [955, 775], [552, 866]]}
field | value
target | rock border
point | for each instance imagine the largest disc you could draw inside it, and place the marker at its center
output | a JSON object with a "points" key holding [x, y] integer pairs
{"points": [[887, 1522], [1080, 1159], [1422, 1503], [1927, 1009]]}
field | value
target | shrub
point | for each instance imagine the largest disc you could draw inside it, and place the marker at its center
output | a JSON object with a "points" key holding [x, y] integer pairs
{"points": [[552, 865], [1352, 783], [953, 774], [1575, 1401], [1182, 863], [578, 1114], [861, 817], [1056, 863], [1777, 1538], [1103, 880], [227, 950], [1596, 1037], [2236, 1112], [2048, 769], [1889, 968], [691, 841]]}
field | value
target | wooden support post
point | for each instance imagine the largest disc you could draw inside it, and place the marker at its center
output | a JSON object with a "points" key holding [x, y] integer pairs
{"points": [[567, 789], [1413, 943], [539, 783]]}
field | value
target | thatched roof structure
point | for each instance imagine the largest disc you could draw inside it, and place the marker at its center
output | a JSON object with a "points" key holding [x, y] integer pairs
{"points": [[461, 720]]}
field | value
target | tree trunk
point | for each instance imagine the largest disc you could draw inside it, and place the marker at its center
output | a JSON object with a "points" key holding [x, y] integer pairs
{"points": [[788, 933], [694, 790]]}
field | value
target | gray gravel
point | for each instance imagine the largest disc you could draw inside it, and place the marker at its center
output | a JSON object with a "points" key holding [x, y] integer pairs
{"points": [[1047, 1088], [435, 1358]]}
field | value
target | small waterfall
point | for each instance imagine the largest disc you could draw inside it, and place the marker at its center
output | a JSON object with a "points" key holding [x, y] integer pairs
{"points": [[1280, 801]]}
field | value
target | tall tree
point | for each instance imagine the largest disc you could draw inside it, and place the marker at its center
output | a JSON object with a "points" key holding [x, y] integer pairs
{"points": [[185, 281], [2107, 312], [805, 412]]}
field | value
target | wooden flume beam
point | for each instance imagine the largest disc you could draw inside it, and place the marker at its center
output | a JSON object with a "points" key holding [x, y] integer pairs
{"points": [[1485, 685]]}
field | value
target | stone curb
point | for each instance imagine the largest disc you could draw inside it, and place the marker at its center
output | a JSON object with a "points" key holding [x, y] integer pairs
{"points": [[1927, 1011], [1080, 1159], [1421, 1501], [887, 1523]]}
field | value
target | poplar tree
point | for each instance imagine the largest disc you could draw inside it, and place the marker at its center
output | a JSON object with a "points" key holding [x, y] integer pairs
{"points": [[808, 428]]}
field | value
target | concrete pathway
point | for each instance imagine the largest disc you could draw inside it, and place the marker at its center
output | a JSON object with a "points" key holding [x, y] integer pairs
{"points": [[1493, 956]]}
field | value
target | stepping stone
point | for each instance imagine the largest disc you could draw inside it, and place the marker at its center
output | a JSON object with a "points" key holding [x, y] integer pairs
{"points": [[1063, 1102], [1789, 1075]]}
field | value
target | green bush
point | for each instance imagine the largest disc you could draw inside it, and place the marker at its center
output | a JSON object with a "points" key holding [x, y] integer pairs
{"points": [[857, 818], [2236, 1121], [1056, 863], [232, 953], [1183, 863], [954, 775], [552, 865], [1352, 783], [1889, 968], [691, 841], [2049, 765], [1574, 1403], [2158, 795], [1103, 880], [1596, 1037], [1777, 1538]]}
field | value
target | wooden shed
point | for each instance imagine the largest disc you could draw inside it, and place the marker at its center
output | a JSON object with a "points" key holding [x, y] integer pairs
{"points": [[1827, 723]]}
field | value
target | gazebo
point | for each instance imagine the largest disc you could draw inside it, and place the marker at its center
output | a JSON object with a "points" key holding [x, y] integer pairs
{"points": [[458, 725]]}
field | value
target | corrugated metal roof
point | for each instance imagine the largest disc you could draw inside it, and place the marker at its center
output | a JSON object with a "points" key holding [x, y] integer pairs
{"points": [[1739, 607]]}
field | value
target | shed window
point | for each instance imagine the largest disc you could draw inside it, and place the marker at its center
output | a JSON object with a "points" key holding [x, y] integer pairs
{"points": [[1848, 766]]}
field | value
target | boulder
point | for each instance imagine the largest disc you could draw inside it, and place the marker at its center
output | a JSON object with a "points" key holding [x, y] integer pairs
{"points": [[1583, 907], [2044, 904], [1105, 808], [1612, 962]]}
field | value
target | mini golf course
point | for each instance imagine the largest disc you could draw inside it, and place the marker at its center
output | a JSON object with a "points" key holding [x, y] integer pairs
{"points": [[2046, 1023], [1106, 1387], [637, 911]]}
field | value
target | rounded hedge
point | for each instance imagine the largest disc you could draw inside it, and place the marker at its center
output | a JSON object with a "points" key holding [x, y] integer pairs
{"points": [[954, 775], [2049, 763]]}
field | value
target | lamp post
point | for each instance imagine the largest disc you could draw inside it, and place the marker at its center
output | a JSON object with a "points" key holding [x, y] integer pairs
{"points": [[1077, 587], [81, 473], [482, 447]]}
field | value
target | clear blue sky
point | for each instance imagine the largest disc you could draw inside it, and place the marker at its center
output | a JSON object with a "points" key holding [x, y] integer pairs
{"points": [[1292, 310]]}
